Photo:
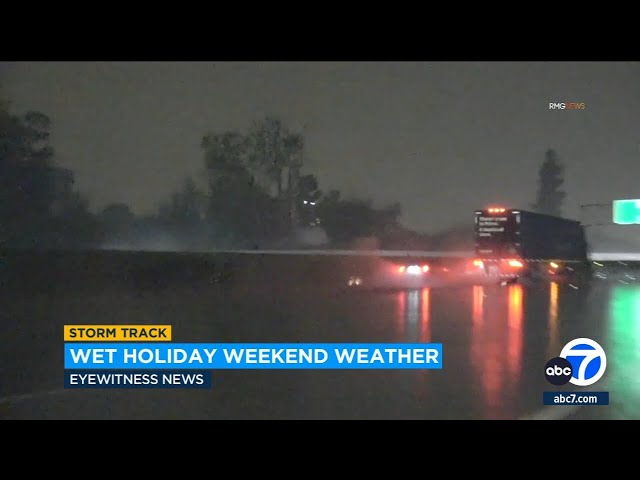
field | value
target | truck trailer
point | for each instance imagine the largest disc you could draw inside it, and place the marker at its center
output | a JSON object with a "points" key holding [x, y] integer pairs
{"points": [[515, 243]]}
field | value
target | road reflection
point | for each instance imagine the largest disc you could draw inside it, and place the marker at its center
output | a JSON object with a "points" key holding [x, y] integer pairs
{"points": [[425, 318], [478, 305], [497, 345], [412, 314], [554, 346], [415, 316], [491, 325], [515, 340], [401, 319], [623, 355], [486, 351]]}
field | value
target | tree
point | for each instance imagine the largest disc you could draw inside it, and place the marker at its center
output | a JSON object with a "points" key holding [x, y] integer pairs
{"points": [[187, 205], [275, 155], [117, 221], [308, 188], [550, 178], [293, 152], [307, 199], [183, 217], [225, 157], [268, 153], [240, 211], [27, 178], [74, 226], [347, 219]]}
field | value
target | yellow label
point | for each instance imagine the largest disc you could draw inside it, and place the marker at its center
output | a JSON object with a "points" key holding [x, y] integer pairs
{"points": [[117, 333]]}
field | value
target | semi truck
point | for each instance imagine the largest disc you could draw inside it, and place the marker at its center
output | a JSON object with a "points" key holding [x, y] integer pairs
{"points": [[519, 243]]}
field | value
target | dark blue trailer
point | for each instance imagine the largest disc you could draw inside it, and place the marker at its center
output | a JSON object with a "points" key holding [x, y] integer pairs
{"points": [[514, 242]]}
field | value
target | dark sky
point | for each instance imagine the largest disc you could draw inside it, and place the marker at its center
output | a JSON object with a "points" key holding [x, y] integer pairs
{"points": [[441, 138]]}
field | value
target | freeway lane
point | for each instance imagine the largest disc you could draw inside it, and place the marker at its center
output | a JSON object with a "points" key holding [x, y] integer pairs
{"points": [[496, 340]]}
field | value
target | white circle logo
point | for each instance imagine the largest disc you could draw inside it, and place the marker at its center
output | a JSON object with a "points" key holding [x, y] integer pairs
{"points": [[588, 360]]}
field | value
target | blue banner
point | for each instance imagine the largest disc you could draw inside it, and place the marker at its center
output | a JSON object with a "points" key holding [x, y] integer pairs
{"points": [[267, 356]]}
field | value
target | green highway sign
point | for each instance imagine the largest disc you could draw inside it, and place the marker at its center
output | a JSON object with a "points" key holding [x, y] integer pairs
{"points": [[626, 212]]}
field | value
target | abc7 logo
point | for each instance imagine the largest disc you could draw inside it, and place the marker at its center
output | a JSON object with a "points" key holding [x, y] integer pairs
{"points": [[581, 362]]}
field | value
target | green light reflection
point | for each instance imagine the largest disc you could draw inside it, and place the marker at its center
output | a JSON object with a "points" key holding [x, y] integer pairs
{"points": [[623, 355]]}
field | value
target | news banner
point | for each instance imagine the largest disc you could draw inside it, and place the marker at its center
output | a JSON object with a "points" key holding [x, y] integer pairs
{"points": [[144, 356]]}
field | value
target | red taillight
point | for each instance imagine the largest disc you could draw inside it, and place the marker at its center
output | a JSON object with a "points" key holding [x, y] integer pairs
{"points": [[515, 263], [425, 268], [477, 263], [401, 269]]}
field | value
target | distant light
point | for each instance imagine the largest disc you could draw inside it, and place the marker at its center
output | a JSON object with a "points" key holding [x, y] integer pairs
{"points": [[401, 269], [425, 268], [477, 263], [599, 264], [413, 270], [515, 263], [312, 203], [554, 265], [305, 202]]}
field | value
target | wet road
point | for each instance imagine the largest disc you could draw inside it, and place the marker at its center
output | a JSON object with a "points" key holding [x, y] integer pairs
{"points": [[496, 341]]}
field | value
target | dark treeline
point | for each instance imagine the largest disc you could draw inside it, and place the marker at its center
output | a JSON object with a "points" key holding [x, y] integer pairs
{"points": [[257, 195], [39, 207]]}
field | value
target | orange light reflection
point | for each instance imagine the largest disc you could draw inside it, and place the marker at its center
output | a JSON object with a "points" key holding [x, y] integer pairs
{"points": [[514, 345], [553, 320], [425, 317]]}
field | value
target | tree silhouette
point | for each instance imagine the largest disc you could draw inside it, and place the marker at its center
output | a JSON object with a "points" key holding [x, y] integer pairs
{"points": [[27, 178], [550, 197], [241, 212], [275, 155]]}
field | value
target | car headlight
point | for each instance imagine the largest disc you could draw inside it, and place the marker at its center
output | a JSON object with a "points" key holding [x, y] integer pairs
{"points": [[414, 270]]}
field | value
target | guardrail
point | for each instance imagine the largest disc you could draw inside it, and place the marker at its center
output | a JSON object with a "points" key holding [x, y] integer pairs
{"points": [[364, 253], [603, 257], [615, 257]]}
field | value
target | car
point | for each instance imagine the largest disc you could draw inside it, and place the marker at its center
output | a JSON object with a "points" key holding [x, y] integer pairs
{"points": [[410, 274], [391, 274], [414, 270]]}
